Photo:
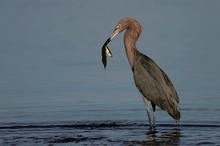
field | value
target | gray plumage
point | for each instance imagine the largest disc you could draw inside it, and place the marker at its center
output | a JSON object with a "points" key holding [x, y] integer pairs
{"points": [[155, 85]]}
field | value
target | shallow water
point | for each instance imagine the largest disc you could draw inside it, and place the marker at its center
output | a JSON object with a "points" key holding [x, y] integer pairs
{"points": [[109, 133], [55, 91]]}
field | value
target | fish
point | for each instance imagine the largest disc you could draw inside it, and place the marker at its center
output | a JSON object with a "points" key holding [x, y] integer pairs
{"points": [[105, 50], [108, 52]]}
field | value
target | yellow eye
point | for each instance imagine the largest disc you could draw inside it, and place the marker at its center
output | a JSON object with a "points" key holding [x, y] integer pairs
{"points": [[118, 26]]}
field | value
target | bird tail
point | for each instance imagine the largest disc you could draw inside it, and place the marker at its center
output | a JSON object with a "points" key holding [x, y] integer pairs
{"points": [[173, 110]]}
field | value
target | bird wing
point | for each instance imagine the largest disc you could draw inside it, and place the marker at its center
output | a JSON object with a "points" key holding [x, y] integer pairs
{"points": [[153, 83]]}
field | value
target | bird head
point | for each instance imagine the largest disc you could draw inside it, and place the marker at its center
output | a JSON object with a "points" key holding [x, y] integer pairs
{"points": [[118, 28], [133, 30]]}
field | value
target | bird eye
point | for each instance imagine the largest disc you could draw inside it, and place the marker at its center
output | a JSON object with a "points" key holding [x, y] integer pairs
{"points": [[118, 26]]}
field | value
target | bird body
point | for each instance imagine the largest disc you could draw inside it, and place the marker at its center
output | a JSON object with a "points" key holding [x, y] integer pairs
{"points": [[152, 82], [155, 85]]}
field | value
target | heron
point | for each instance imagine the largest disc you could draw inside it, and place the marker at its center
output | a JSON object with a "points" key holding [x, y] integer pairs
{"points": [[152, 82]]}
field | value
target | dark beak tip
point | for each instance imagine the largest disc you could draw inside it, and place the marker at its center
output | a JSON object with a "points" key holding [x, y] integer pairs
{"points": [[106, 42]]}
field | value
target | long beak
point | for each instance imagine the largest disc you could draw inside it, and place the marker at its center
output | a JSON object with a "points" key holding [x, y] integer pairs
{"points": [[111, 37], [116, 32]]}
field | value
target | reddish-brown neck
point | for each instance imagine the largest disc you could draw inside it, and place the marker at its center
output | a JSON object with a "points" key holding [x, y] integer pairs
{"points": [[130, 48], [131, 35]]}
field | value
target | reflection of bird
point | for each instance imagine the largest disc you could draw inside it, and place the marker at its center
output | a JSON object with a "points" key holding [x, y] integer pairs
{"points": [[152, 82]]}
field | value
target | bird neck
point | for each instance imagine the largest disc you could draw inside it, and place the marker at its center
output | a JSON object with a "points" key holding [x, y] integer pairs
{"points": [[130, 46]]}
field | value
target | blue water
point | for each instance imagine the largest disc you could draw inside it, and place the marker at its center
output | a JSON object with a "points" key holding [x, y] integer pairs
{"points": [[51, 70]]}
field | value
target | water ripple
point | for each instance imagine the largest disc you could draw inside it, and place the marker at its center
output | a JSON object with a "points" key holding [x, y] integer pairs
{"points": [[109, 133]]}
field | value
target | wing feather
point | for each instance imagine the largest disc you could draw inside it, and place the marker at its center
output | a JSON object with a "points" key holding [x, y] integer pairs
{"points": [[155, 85]]}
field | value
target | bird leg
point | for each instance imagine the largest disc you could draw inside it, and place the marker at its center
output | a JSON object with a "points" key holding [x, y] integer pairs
{"points": [[149, 118], [154, 113], [148, 109], [154, 123]]}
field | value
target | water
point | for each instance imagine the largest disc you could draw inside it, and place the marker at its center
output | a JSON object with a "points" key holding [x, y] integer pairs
{"points": [[54, 90], [110, 133]]}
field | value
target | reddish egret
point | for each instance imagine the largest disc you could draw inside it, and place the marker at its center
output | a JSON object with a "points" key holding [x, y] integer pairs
{"points": [[152, 82]]}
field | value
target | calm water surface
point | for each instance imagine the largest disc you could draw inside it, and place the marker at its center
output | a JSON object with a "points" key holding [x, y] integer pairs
{"points": [[54, 90]]}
